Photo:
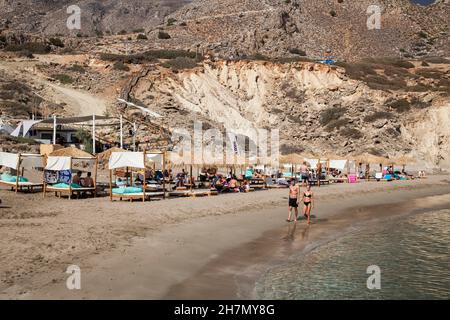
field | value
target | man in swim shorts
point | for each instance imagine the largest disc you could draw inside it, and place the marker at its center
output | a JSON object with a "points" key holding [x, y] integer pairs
{"points": [[294, 192]]}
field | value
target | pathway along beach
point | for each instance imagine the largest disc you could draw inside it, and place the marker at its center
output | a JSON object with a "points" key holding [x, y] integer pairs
{"points": [[206, 248]]}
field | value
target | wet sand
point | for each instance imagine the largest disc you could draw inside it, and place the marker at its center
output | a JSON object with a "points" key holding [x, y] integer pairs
{"points": [[206, 248]]}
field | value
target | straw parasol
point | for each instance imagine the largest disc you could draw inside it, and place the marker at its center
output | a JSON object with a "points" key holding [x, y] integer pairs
{"points": [[105, 155], [292, 158], [403, 160], [368, 158], [71, 152], [332, 156]]}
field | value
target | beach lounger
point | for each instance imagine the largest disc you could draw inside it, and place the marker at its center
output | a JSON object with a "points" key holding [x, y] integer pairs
{"points": [[194, 193], [28, 186], [67, 191]]}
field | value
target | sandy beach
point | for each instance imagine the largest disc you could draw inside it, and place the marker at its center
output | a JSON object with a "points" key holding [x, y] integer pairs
{"points": [[206, 248]]}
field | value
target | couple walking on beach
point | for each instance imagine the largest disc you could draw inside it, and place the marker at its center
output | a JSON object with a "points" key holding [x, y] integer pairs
{"points": [[295, 197]]}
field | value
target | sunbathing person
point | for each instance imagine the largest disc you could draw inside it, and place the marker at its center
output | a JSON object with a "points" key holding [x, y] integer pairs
{"points": [[77, 178], [233, 184], [88, 182], [245, 186]]}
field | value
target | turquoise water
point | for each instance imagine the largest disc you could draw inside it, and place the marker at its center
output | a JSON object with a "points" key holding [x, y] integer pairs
{"points": [[412, 253]]}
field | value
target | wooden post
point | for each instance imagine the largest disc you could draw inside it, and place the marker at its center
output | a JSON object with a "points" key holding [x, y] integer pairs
{"points": [[95, 176], [163, 170], [110, 185], [71, 179], [319, 172], [144, 184], [44, 183], [121, 132], [190, 176], [18, 173]]}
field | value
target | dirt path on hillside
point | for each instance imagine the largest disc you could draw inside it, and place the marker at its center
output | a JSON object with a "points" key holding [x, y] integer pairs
{"points": [[78, 102]]}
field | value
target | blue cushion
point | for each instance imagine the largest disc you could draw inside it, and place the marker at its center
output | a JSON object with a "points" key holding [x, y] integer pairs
{"points": [[66, 186], [127, 190], [9, 178]]}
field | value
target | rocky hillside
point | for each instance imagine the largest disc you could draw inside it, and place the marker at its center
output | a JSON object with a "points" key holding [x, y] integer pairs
{"points": [[320, 29], [98, 17], [317, 108], [240, 65]]}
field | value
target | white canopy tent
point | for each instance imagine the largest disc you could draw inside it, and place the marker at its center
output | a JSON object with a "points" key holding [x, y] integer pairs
{"points": [[66, 163], [134, 160], [338, 164], [18, 161]]}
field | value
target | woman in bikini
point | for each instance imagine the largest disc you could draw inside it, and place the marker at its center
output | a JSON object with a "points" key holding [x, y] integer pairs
{"points": [[294, 191], [308, 203]]}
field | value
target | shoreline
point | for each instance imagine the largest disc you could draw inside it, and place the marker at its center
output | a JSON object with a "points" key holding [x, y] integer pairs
{"points": [[178, 259], [298, 241]]}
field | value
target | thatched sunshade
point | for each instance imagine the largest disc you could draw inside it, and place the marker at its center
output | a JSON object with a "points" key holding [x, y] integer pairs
{"points": [[368, 158], [71, 152], [403, 160], [292, 158], [331, 156]]}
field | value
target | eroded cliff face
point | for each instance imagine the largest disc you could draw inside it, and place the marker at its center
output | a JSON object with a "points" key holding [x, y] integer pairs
{"points": [[431, 133], [317, 108]]}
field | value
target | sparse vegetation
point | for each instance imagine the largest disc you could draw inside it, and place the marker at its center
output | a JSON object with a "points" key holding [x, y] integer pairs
{"points": [[147, 56], [180, 63], [33, 47], [331, 114], [297, 52], [163, 35], [119, 65], [142, 36], [85, 137], [337, 124], [333, 13], [377, 116], [422, 34], [255, 57], [57, 42], [171, 21], [400, 105], [351, 133], [436, 60], [63, 78], [77, 68]]}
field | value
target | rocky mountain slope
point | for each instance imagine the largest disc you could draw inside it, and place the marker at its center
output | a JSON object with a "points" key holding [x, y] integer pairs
{"points": [[317, 108], [321, 29], [97, 17], [241, 65]]}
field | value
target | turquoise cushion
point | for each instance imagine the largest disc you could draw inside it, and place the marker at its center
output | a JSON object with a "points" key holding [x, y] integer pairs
{"points": [[21, 179], [66, 186], [127, 190], [6, 176], [9, 178]]}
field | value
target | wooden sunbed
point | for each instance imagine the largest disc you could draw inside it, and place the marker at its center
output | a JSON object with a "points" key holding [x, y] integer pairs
{"points": [[341, 180], [69, 191], [136, 196], [29, 186], [258, 186], [193, 193]]}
